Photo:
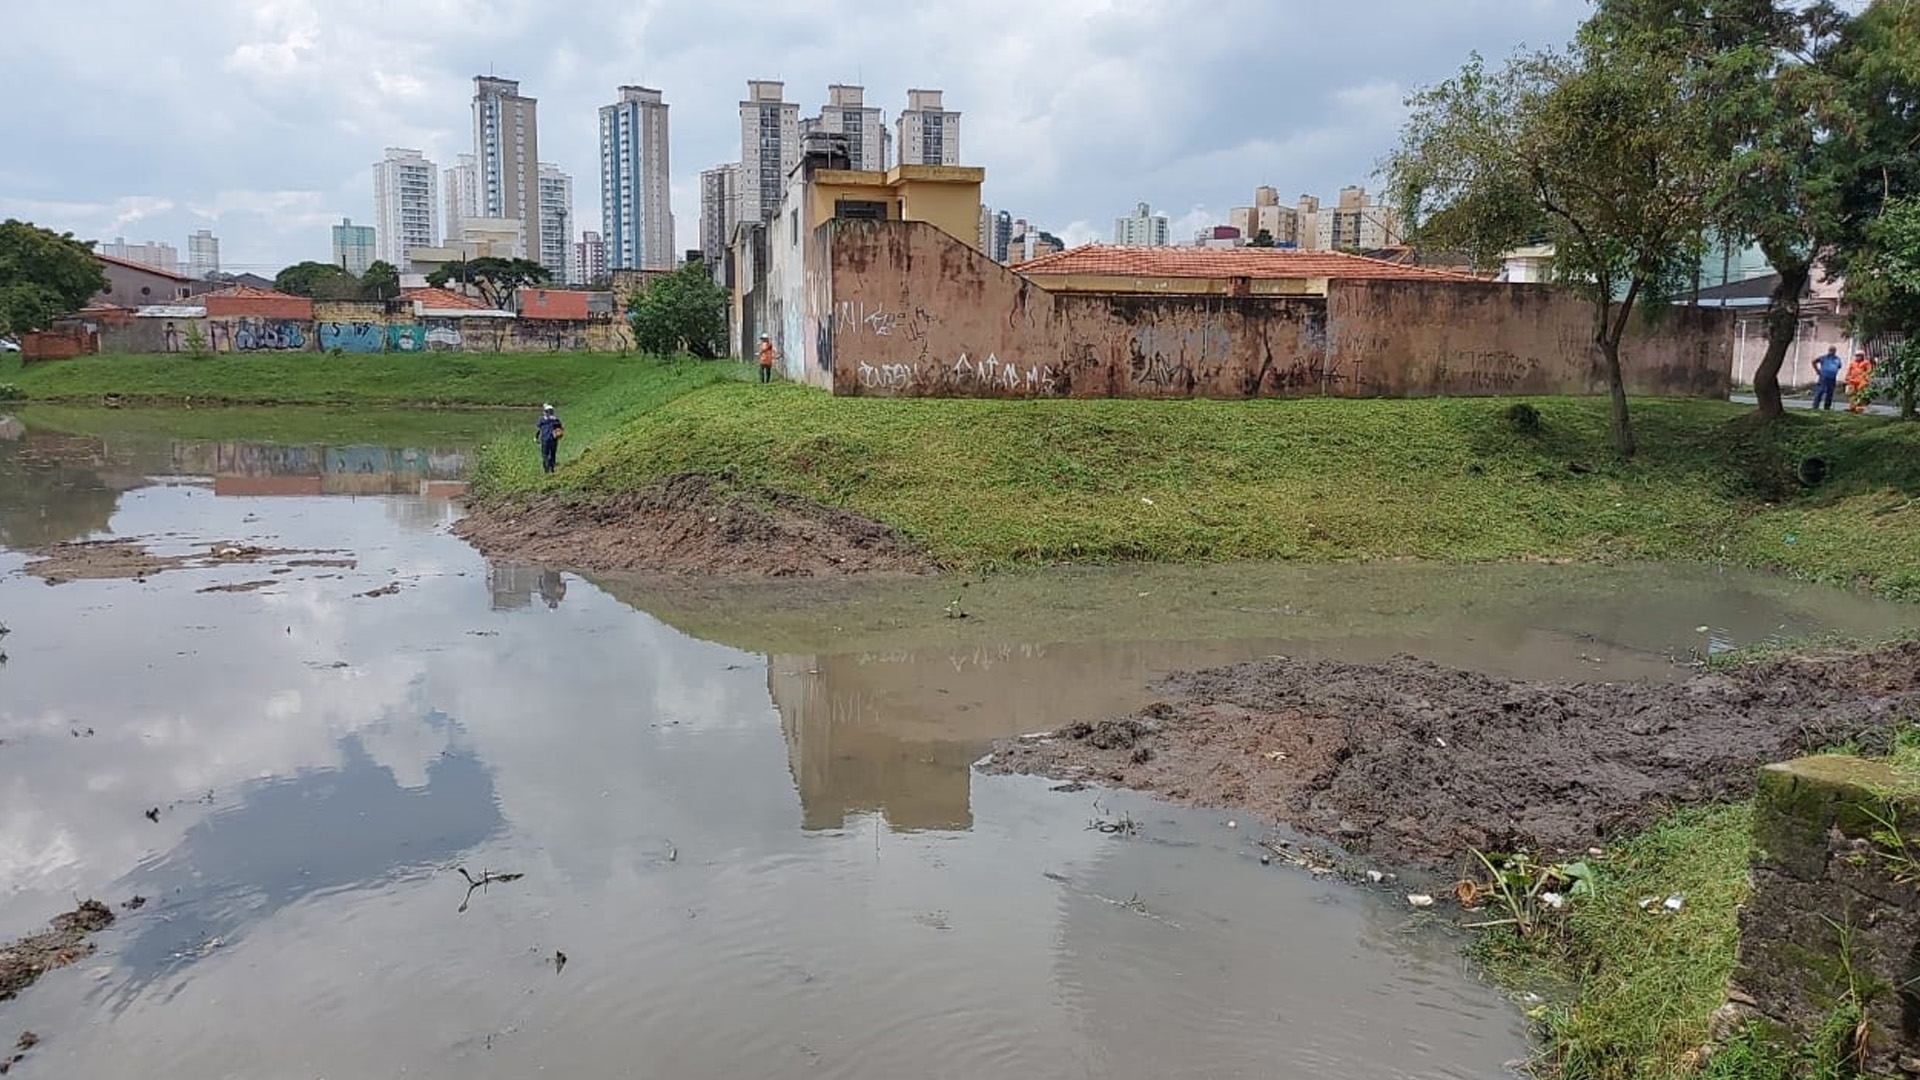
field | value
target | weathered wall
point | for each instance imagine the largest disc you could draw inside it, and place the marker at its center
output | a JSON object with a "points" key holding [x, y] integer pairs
{"points": [[1833, 919], [910, 311], [368, 335], [60, 343]]}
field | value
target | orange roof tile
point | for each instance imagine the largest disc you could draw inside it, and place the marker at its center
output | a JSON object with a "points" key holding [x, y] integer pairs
{"points": [[130, 264], [442, 300], [1185, 262], [263, 303]]}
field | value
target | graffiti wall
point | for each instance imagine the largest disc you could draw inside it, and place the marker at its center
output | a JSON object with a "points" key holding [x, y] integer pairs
{"points": [[354, 337], [406, 337], [250, 333], [913, 312]]}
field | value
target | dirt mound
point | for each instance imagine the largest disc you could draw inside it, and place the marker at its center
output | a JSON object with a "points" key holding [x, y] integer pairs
{"points": [[690, 524], [24, 961], [1415, 763]]}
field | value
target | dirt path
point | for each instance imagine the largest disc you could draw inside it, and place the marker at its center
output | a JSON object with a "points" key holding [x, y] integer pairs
{"points": [[691, 524], [23, 962], [1413, 763]]}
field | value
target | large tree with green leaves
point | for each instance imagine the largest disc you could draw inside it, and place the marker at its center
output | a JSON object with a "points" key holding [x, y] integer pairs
{"points": [[318, 280], [494, 278], [685, 311], [43, 275], [381, 281], [1885, 290], [1600, 150]]}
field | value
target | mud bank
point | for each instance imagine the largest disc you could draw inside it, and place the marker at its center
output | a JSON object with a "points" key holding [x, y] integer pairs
{"points": [[1413, 763], [82, 560], [692, 523], [23, 962]]}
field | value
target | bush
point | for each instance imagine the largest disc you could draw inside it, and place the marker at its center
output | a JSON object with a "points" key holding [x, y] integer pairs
{"points": [[1523, 418], [10, 392]]}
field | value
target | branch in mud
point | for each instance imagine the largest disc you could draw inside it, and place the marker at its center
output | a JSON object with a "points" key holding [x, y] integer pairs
{"points": [[487, 877]]}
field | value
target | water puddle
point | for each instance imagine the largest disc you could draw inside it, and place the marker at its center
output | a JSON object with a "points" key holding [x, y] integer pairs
{"points": [[722, 830]]}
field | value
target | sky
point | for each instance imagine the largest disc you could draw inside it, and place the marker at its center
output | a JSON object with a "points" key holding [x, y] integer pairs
{"points": [[261, 120]]}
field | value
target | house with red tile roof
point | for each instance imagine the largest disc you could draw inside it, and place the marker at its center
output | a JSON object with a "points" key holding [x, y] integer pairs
{"points": [[432, 303], [133, 285], [1239, 271]]}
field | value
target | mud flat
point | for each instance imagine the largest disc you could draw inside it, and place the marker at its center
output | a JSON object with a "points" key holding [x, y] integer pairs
{"points": [[23, 962], [81, 560], [693, 524], [1413, 763]]}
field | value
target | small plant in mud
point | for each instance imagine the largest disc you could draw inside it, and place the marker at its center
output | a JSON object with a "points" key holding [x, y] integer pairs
{"points": [[10, 392], [1899, 853], [1525, 890]]}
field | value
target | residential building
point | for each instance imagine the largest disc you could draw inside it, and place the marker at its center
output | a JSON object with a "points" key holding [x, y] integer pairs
{"points": [[203, 254], [1282, 224], [405, 205], [554, 249], [1001, 237], [133, 284], [1219, 236], [1354, 223], [635, 193], [495, 237], [719, 210], [353, 246], [506, 150], [846, 113], [929, 133], [1142, 228], [590, 258], [769, 147], [462, 188], [152, 253]]}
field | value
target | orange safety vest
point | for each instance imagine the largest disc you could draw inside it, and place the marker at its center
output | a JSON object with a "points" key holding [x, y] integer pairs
{"points": [[766, 354]]}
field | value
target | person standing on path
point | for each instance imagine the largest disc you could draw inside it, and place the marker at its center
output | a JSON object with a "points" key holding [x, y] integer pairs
{"points": [[766, 358], [1827, 366], [549, 431], [1859, 374]]}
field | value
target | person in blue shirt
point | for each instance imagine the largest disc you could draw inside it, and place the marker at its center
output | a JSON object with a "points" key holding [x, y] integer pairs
{"points": [[549, 431], [1827, 366]]}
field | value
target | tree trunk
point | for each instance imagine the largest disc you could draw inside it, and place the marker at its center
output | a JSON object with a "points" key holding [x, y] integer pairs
{"points": [[1617, 386], [1783, 325]]}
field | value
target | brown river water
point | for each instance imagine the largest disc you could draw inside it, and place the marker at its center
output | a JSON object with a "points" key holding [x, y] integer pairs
{"points": [[744, 813]]}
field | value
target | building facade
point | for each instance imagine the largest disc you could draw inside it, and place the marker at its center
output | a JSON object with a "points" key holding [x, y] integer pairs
{"points": [[506, 152], [405, 205], [461, 186], [636, 209], [590, 258], [769, 147], [555, 249], [1142, 228], [929, 132], [353, 246], [152, 253], [719, 210], [847, 113], [1355, 223], [203, 254]]}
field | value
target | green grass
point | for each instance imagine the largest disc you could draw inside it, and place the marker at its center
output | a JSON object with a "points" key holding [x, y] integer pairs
{"points": [[1638, 988], [429, 379], [999, 483]]}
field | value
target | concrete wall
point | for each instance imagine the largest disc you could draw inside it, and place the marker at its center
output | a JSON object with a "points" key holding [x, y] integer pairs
{"points": [[367, 334], [910, 311]]}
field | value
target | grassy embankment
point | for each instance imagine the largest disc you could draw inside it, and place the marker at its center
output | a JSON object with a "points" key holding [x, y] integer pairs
{"points": [[998, 483]]}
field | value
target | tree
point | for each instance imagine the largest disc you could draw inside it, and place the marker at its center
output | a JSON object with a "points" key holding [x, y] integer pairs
{"points": [[43, 275], [381, 281], [1885, 288], [685, 311], [1261, 239], [496, 279], [1602, 150], [321, 281]]}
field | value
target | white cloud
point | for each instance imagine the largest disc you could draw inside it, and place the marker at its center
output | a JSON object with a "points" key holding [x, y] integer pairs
{"points": [[1077, 111]]}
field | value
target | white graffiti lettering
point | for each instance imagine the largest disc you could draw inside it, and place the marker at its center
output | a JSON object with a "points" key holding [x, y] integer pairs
{"points": [[886, 376]]}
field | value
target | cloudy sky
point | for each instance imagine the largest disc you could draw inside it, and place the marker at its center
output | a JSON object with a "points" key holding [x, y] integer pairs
{"points": [[261, 119]]}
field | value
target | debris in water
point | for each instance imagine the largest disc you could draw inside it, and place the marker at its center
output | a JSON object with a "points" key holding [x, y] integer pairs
{"points": [[136, 903], [1266, 860], [487, 877], [1419, 899], [79, 734], [153, 815], [28, 1040], [1376, 876], [1070, 786], [559, 961], [1233, 824], [385, 590]]}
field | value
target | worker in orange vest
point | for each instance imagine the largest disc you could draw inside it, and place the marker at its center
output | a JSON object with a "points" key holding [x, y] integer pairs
{"points": [[766, 358], [1859, 374]]}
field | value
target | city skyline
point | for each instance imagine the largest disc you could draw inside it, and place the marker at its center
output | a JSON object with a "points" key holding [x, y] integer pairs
{"points": [[1075, 119]]}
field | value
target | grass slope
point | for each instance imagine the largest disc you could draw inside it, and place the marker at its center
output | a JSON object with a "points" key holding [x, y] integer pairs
{"points": [[437, 379], [995, 483]]}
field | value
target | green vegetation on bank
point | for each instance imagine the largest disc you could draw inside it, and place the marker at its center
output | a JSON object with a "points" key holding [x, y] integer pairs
{"points": [[393, 379], [998, 483]]}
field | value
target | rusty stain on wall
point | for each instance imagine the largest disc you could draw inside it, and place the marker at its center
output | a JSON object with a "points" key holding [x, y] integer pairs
{"points": [[913, 312]]}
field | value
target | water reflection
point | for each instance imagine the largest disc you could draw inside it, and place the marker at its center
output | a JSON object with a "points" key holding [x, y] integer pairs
{"points": [[514, 586]]}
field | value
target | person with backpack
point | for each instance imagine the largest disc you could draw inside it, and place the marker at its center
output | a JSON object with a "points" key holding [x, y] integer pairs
{"points": [[1827, 366], [549, 432]]}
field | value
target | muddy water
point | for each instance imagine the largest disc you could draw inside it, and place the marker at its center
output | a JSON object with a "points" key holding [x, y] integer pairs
{"points": [[745, 816]]}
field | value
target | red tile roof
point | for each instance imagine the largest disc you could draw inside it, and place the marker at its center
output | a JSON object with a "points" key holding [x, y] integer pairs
{"points": [[261, 303], [552, 304], [442, 300], [131, 265], [1243, 262]]}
